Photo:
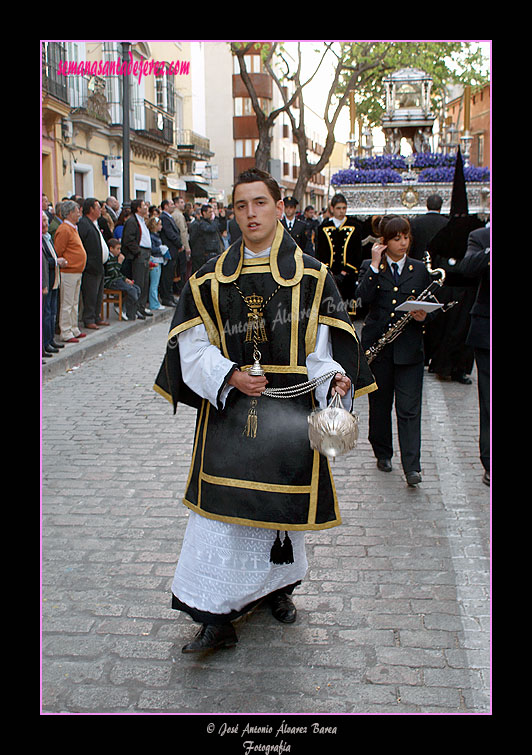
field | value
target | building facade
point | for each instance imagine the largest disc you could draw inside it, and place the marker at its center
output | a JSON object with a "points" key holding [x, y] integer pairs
{"points": [[479, 113], [191, 123], [82, 120], [284, 161]]}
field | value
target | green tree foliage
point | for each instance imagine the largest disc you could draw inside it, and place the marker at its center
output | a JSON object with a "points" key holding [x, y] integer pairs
{"points": [[359, 67], [446, 62]]}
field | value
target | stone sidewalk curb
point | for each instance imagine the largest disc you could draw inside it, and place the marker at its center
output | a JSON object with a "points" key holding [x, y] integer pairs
{"points": [[97, 341]]}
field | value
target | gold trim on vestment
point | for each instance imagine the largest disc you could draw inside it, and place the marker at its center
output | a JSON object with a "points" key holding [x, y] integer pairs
{"points": [[196, 439], [334, 323], [258, 261], [313, 502], [212, 332], [163, 393], [264, 487], [366, 389], [336, 502], [220, 262], [208, 405], [185, 326], [294, 325], [263, 269], [216, 305], [280, 368], [312, 324], [274, 252], [265, 525]]}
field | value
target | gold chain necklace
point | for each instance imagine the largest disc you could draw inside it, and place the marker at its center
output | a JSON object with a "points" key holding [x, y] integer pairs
{"points": [[256, 332]]}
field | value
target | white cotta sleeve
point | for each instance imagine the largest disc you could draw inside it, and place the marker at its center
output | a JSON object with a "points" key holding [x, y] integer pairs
{"points": [[203, 366], [321, 361], [205, 369]]}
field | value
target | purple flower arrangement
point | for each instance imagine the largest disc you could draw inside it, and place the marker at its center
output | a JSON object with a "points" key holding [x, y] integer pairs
{"points": [[377, 176], [471, 174], [384, 169], [379, 162], [433, 160]]}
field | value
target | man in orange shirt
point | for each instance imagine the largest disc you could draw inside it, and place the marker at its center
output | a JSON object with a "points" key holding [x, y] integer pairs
{"points": [[68, 245]]}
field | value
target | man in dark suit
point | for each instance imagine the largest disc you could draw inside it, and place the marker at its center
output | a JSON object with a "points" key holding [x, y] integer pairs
{"points": [[51, 269], [233, 231], [97, 253], [205, 238], [425, 227], [476, 263], [136, 248], [171, 236], [312, 225], [296, 228], [112, 205]]}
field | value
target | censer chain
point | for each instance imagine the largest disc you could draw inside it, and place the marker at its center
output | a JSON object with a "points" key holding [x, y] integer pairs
{"points": [[300, 389]]}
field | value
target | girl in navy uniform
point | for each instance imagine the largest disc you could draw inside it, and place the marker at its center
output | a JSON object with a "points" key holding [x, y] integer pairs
{"points": [[386, 281]]}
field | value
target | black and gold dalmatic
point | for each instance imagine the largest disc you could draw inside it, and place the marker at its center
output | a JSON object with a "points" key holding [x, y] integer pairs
{"points": [[271, 477], [341, 250]]}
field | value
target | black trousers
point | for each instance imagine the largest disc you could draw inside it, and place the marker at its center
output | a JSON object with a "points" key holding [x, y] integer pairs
{"points": [[402, 383], [176, 266], [140, 274], [92, 294], [482, 359]]}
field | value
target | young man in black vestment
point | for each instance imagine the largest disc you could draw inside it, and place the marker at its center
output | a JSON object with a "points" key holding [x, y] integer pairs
{"points": [[253, 477]]}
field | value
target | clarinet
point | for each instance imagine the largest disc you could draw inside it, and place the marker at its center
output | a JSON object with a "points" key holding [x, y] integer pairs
{"points": [[397, 328]]}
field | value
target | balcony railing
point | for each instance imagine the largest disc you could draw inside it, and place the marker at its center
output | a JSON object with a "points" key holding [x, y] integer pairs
{"points": [[152, 121], [188, 139], [54, 83], [87, 95]]}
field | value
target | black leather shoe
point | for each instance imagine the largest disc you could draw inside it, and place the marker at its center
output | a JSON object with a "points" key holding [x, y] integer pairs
{"points": [[51, 349], [168, 303], [486, 478], [57, 345], [140, 316], [385, 465], [211, 637], [283, 608], [413, 478]]}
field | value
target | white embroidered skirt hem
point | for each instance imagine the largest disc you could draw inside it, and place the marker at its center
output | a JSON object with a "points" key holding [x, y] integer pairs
{"points": [[223, 567]]}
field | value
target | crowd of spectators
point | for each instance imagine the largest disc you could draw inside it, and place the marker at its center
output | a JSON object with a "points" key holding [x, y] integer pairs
{"points": [[147, 251]]}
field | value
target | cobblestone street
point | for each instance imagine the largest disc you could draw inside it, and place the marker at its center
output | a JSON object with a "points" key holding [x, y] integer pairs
{"points": [[393, 616]]}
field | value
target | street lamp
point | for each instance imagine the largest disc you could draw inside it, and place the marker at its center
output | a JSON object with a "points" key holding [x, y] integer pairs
{"points": [[466, 138], [126, 198]]}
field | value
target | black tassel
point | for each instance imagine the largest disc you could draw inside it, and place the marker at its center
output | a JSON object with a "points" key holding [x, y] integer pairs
{"points": [[282, 553], [288, 553], [276, 553]]}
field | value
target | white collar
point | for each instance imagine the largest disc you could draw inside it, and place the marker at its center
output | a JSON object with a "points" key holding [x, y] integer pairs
{"points": [[248, 254], [400, 263]]}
